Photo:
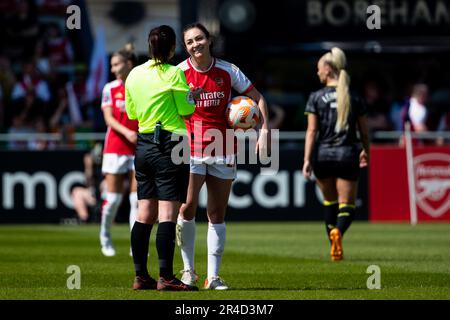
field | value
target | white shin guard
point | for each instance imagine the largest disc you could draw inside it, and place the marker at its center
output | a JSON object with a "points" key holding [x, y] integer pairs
{"points": [[216, 244], [133, 208], [109, 212], [187, 231]]}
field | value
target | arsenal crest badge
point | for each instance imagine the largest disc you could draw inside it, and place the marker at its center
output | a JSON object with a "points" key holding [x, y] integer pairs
{"points": [[432, 176]]}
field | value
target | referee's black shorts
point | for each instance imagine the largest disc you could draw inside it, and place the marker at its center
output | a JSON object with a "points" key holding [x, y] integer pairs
{"points": [[156, 174], [347, 170]]}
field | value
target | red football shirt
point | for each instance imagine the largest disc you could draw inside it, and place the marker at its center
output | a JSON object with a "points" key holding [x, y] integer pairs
{"points": [[209, 117], [114, 96]]}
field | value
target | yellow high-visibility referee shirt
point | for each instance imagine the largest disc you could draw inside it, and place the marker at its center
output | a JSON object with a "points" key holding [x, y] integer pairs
{"points": [[158, 93]]}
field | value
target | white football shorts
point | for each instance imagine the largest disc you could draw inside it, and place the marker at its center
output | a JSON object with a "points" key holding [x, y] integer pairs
{"points": [[117, 163], [221, 170]]}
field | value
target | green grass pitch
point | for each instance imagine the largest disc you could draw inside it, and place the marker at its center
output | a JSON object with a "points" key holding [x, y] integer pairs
{"points": [[268, 260]]}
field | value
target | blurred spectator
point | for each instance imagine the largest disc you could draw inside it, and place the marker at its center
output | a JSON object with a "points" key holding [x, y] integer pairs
{"points": [[7, 81], [31, 80], [55, 80], [415, 110], [67, 112], [61, 116], [59, 47], [395, 115], [7, 78], [83, 202], [41, 58], [444, 125], [79, 87], [88, 110], [87, 197], [377, 107], [28, 118], [66, 118], [28, 109], [440, 108]]}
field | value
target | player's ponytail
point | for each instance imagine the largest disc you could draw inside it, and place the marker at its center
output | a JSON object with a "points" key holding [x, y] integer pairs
{"points": [[343, 100], [129, 47], [339, 62]]}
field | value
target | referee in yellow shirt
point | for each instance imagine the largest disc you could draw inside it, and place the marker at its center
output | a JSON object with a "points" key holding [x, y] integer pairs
{"points": [[158, 96]]}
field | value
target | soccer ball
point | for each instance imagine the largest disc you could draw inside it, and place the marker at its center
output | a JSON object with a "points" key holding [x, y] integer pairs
{"points": [[242, 113]]}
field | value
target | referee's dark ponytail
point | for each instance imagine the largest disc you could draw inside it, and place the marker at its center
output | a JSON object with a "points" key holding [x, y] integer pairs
{"points": [[161, 41]]}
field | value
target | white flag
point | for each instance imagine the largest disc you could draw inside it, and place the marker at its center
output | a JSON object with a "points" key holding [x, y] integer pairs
{"points": [[98, 70]]}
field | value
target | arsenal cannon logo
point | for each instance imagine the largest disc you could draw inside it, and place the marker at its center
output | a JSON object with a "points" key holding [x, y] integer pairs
{"points": [[432, 176]]}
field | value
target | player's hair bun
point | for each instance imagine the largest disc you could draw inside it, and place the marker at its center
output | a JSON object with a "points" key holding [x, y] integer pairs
{"points": [[129, 47]]}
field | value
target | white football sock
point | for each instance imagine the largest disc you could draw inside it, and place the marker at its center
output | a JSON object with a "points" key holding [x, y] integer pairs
{"points": [[133, 208], [109, 211], [216, 244], [188, 230]]}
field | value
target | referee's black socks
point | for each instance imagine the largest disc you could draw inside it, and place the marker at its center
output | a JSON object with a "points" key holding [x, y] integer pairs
{"points": [[330, 214], [345, 216], [140, 238], [165, 245]]}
